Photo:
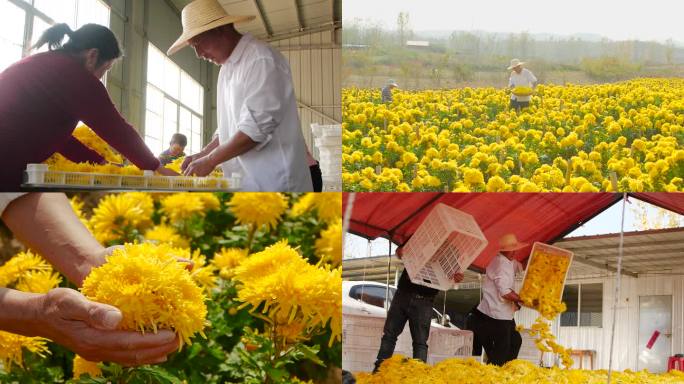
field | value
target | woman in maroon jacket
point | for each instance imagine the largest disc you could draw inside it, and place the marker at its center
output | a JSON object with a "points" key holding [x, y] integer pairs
{"points": [[44, 96]]}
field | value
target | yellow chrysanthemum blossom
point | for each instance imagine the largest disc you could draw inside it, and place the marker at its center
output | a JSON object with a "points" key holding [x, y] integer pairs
{"points": [[572, 138], [226, 260], [328, 205], [182, 206], [83, 366], [91, 140], [116, 213], [398, 369], [19, 266], [286, 284], [258, 208], [204, 274], [151, 288], [164, 233], [329, 245], [542, 290], [11, 346], [40, 281]]}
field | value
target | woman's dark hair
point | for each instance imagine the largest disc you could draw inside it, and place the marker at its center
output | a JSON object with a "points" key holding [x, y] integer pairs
{"points": [[87, 37]]}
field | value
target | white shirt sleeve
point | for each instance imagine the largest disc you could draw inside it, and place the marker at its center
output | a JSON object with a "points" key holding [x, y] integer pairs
{"points": [[502, 277], [7, 198], [263, 108]]}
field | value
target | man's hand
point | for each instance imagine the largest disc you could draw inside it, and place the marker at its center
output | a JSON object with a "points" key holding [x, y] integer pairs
{"points": [[512, 296], [458, 277], [200, 167], [187, 160], [89, 329], [162, 170]]}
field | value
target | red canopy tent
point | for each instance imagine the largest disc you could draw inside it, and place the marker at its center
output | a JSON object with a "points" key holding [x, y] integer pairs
{"points": [[544, 217]]}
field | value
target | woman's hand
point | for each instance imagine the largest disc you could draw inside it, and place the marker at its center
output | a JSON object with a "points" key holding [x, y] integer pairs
{"points": [[90, 330], [162, 170]]}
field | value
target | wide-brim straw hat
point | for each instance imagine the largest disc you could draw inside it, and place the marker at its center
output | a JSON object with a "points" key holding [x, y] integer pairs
{"points": [[515, 63], [201, 16], [509, 242]]}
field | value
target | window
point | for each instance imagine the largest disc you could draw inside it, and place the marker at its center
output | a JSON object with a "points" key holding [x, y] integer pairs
{"points": [[371, 294], [585, 305], [175, 102], [16, 41]]}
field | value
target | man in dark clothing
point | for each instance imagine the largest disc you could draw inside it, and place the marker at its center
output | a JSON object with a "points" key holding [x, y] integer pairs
{"points": [[176, 148], [387, 91], [413, 303]]}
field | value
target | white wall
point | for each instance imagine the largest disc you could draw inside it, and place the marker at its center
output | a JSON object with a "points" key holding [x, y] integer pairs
{"points": [[627, 324]]}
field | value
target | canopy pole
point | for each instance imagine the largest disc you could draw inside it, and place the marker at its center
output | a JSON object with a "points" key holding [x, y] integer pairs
{"points": [[389, 271], [618, 281], [347, 215]]}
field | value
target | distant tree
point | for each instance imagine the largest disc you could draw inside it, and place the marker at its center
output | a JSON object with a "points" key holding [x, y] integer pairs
{"points": [[650, 217], [404, 32]]}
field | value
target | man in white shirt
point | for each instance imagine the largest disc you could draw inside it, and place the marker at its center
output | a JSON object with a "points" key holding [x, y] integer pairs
{"points": [[520, 77], [259, 133], [492, 321]]}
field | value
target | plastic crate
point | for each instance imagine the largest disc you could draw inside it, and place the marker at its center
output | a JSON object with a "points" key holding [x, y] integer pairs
{"points": [[361, 336], [447, 241], [326, 130], [328, 141], [548, 283], [39, 176]]}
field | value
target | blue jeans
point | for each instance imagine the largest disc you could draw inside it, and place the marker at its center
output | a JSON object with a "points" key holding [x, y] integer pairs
{"points": [[415, 309]]}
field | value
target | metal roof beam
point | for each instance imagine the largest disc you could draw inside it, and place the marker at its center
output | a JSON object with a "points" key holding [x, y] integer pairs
{"points": [[262, 16]]}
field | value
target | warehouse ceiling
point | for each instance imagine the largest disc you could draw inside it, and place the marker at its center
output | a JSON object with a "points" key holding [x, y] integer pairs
{"points": [[280, 19]]}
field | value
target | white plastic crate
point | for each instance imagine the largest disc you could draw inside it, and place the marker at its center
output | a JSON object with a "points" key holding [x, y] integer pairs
{"points": [[328, 141], [447, 241], [39, 176], [326, 130], [361, 337]]}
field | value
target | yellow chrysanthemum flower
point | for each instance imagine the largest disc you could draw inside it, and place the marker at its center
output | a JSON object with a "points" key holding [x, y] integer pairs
{"points": [[182, 206], [11, 346], [151, 288], [226, 260], [329, 245], [286, 284], [164, 233], [117, 213], [19, 265], [328, 205], [38, 281], [83, 366], [91, 140], [399, 369], [258, 208]]}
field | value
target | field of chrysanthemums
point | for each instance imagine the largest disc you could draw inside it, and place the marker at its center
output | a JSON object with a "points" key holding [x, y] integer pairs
{"points": [[262, 303], [627, 136]]}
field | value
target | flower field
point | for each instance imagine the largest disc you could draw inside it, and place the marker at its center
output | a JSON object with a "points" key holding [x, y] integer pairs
{"points": [[627, 136], [261, 302], [461, 371]]}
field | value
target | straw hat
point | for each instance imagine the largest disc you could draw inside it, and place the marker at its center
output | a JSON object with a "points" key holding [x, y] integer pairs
{"points": [[509, 242], [392, 83], [515, 63], [201, 16]]}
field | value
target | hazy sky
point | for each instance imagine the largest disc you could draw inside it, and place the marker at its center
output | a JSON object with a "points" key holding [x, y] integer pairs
{"points": [[618, 20], [606, 222]]}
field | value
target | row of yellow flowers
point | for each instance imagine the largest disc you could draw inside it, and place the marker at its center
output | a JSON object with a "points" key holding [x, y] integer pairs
{"points": [[586, 138]]}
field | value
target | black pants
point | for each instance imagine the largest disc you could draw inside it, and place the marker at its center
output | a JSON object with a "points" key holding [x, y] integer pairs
{"points": [[415, 309], [518, 105], [316, 177], [498, 337]]}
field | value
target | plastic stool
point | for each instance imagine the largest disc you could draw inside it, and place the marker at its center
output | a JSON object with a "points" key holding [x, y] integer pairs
{"points": [[675, 363]]}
